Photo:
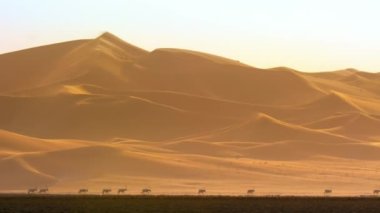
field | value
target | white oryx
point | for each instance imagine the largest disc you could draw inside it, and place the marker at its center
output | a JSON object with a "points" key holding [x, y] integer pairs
{"points": [[146, 191], [376, 191], [201, 191], [32, 190], [121, 190], [328, 192], [250, 191], [82, 191], [106, 191], [43, 190]]}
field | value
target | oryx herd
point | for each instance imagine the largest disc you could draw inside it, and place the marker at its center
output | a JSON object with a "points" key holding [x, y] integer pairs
{"points": [[38, 190], [104, 191], [147, 191]]}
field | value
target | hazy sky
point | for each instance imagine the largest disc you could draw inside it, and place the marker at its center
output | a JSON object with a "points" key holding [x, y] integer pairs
{"points": [[308, 35]]}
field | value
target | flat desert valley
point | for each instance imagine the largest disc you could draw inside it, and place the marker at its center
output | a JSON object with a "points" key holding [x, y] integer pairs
{"points": [[102, 113]]}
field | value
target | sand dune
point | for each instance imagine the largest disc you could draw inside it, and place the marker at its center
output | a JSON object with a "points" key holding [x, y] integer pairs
{"points": [[12, 142], [299, 150], [20, 175], [27, 68], [192, 73], [334, 101], [360, 126], [113, 64], [102, 112], [100, 117], [203, 148], [264, 128]]}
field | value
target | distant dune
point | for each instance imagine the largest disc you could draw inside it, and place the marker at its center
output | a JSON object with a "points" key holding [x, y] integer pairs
{"points": [[104, 113]]}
